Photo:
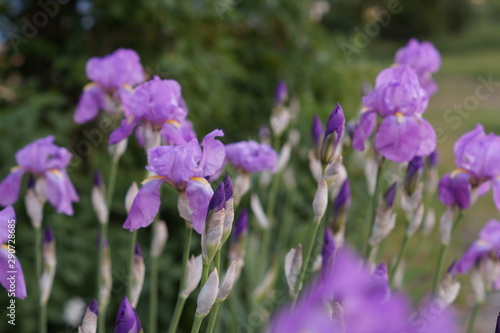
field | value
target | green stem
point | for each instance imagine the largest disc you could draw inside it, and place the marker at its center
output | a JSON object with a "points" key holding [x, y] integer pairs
{"points": [[179, 306], [133, 240], [374, 206], [213, 317], [101, 318], [204, 274], [196, 324], [401, 254], [42, 311], [153, 298], [43, 318], [473, 316], [305, 267]]}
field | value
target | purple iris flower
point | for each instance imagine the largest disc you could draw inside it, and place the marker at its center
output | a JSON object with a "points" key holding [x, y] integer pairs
{"points": [[477, 156], [9, 263], [400, 101], [187, 168], [249, 156], [424, 58], [157, 103], [487, 243], [43, 159], [111, 76], [127, 320]]}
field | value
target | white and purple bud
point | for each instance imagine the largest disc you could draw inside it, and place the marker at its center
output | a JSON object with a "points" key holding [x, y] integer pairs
{"points": [[138, 272], [320, 201], [446, 225], [160, 236], [258, 211], [413, 174], [429, 222], [105, 280], [334, 133], [317, 135], [99, 199], [385, 219], [333, 169], [228, 283], [390, 195], [127, 320], [416, 220], [89, 322], [208, 295], [284, 157], [241, 186], [341, 206], [293, 264], [34, 203], [118, 149], [193, 276], [130, 196], [49, 265], [281, 93], [229, 207], [449, 287], [211, 238]]}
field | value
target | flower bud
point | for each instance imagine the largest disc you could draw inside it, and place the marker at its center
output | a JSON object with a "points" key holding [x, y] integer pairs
{"points": [[317, 134], [328, 249], [99, 199], [241, 186], [315, 167], [333, 168], [281, 93], [208, 294], [280, 119], [320, 201], [193, 276], [258, 211], [384, 223], [211, 238], [130, 196], [333, 135], [89, 322], [413, 174], [105, 280], [446, 224], [229, 214], [34, 204], [429, 222], [118, 149], [283, 157], [341, 206], [160, 236], [293, 264], [371, 169], [49, 265], [449, 289], [138, 271], [228, 282], [415, 221], [127, 320], [390, 195], [266, 286], [478, 286]]}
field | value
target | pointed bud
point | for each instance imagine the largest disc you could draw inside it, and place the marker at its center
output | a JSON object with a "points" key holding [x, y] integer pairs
{"points": [[99, 199], [258, 211], [229, 214], [160, 236], [328, 249], [283, 157], [384, 223], [228, 283], [449, 289], [211, 238], [241, 225], [333, 134], [127, 320], [333, 168], [117, 150], [208, 294], [320, 201], [105, 281], [413, 174], [399, 275], [130, 197], [293, 264], [49, 265], [241, 186], [281, 93], [89, 322], [415, 221], [478, 286], [317, 134], [497, 328], [429, 222], [193, 276], [446, 224], [389, 195], [341, 206], [138, 272], [34, 204], [371, 169], [315, 167], [266, 286]]}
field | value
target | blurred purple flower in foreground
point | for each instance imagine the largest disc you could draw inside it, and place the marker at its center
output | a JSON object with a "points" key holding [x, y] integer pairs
{"points": [[111, 77], [424, 58], [249, 156], [8, 261], [188, 168], [400, 101], [477, 157], [346, 298], [43, 159], [127, 320]]}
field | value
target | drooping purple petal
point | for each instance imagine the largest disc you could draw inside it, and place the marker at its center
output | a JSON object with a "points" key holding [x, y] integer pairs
{"points": [[11, 274], [398, 138], [60, 192], [146, 204], [241, 224], [91, 101], [364, 129], [199, 192], [7, 217], [126, 128], [10, 186], [455, 188]]}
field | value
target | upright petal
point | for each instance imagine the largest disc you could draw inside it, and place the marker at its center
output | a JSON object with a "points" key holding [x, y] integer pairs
{"points": [[398, 138], [146, 204], [199, 193], [470, 150], [11, 273], [9, 187], [91, 101], [364, 129], [213, 154]]}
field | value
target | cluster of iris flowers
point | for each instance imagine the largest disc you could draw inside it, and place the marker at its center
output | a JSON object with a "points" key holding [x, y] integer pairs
{"points": [[338, 290]]}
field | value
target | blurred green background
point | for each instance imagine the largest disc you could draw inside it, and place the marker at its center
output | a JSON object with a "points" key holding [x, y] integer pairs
{"points": [[228, 56]]}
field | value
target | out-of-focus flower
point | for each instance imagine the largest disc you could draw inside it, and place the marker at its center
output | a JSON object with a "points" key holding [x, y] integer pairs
{"points": [[152, 106], [127, 320], [281, 93], [424, 58], [340, 209], [249, 156], [400, 101], [89, 323], [188, 168], [48, 162], [112, 76], [12, 282], [293, 264], [138, 272], [477, 157], [99, 199], [49, 265]]}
